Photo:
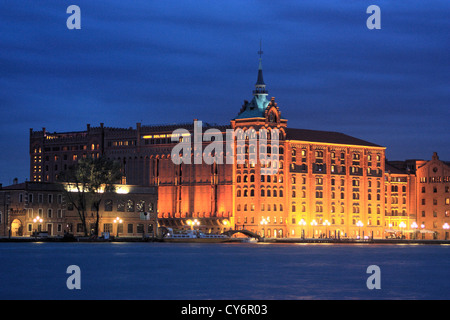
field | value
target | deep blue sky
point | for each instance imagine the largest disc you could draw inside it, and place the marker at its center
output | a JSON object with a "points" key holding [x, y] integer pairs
{"points": [[172, 61]]}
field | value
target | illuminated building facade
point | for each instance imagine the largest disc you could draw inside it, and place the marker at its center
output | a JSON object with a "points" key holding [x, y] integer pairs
{"points": [[430, 196], [30, 207], [327, 184]]}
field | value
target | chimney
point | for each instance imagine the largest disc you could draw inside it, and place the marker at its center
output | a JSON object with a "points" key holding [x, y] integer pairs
{"points": [[435, 156]]}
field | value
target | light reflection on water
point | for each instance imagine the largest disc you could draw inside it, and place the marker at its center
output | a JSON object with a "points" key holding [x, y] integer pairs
{"points": [[223, 271]]}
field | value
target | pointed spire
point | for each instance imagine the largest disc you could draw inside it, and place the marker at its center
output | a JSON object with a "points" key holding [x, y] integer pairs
{"points": [[260, 86]]}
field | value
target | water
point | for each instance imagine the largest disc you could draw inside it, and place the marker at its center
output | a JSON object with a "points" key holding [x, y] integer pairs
{"points": [[169, 271]]}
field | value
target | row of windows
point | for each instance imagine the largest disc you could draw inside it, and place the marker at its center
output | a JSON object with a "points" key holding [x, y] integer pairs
{"points": [[435, 189], [108, 227], [318, 194], [318, 181], [435, 225], [320, 153], [264, 178], [129, 206], [435, 201], [39, 227], [396, 188], [262, 149], [71, 148], [445, 214], [264, 193], [126, 143], [264, 207], [263, 221], [40, 198], [319, 209], [334, 221], [435, 179], [394, 200], [50, 213]]}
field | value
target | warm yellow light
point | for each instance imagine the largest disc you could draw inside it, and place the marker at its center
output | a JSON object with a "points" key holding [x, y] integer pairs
{"points": [[122, 190]]}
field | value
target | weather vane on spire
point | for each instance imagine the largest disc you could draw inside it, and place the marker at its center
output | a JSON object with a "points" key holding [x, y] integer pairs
{"points": [[260, 52], [260, 85]]}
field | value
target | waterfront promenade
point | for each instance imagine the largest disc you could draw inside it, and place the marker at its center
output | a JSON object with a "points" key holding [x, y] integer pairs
{"points": [[235, 240]]}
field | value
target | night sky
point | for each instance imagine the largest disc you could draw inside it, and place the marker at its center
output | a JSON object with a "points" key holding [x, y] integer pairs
{"points": [[165, 62]]}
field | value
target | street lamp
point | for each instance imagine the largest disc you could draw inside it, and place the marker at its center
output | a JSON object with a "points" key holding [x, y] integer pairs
{"points": [[313, 223], [359, 224], [414, 226], [38, 219], [326, 224], [302, 223], [263, 223], [446, 227], [117, 220], [402, 225]]}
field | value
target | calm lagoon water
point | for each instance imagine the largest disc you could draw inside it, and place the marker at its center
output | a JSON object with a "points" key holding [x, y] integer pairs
{"points": [[168, 271]]}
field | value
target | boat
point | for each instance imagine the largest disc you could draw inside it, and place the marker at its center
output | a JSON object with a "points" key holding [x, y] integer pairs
{"points": [[249, 240], [194, 236]]}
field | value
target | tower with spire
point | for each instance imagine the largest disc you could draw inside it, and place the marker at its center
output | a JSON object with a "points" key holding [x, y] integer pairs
{"points": [[260, 86], [259, 111], [256, 107]]}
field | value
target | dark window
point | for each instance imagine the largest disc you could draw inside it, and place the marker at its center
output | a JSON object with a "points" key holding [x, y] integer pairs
{"points": [[108, 205]]}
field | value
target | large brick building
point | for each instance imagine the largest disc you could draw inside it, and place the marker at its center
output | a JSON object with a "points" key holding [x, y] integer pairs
{"points": [[430, 195], [326, 183], [31, 207]]}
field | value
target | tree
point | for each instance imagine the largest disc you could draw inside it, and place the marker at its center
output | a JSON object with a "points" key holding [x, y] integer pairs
{"points": [[87, 182]]}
